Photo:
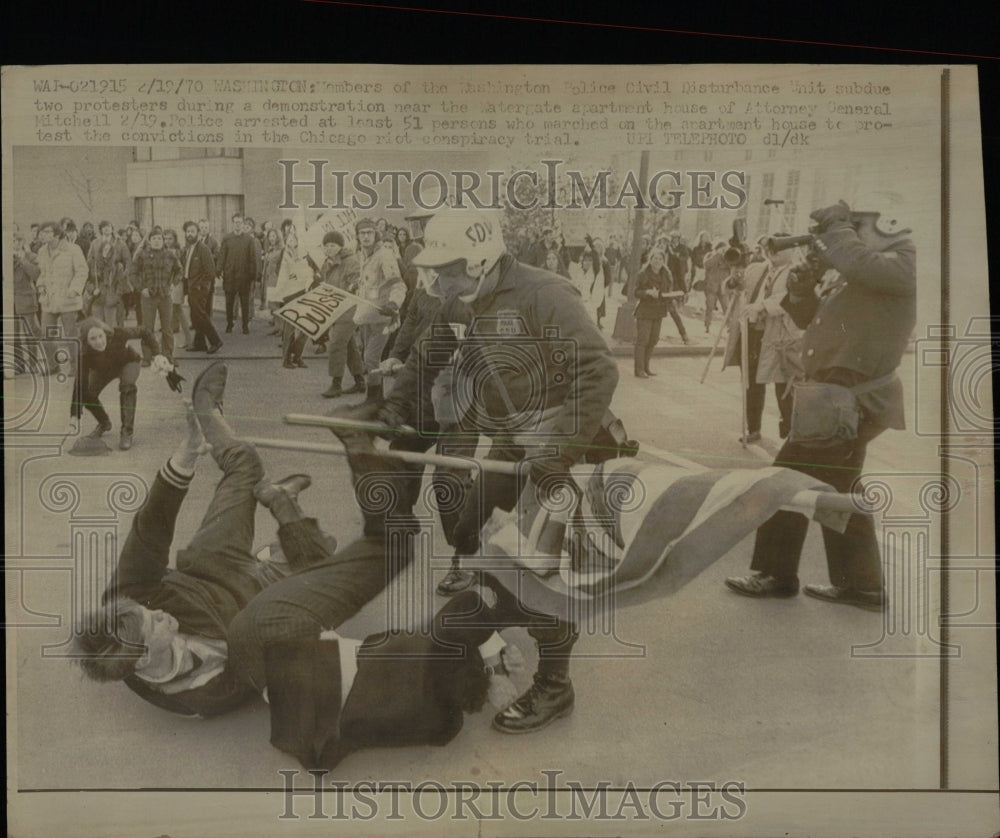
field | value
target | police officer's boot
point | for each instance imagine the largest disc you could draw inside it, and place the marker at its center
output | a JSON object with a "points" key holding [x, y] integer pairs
{"points": [[128, 395], [550, 696]]}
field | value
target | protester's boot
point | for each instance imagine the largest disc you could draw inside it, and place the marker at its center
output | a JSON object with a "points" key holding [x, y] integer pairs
{"points": [[333, 391], [207, 394], [103, 422], [550, 695], [128, 395]]}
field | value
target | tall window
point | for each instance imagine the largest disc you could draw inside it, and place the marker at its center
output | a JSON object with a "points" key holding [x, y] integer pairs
{"points": [[764, 215]]}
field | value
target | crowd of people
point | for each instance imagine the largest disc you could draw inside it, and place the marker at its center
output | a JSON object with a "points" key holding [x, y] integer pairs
{"points": [[221, 626]]}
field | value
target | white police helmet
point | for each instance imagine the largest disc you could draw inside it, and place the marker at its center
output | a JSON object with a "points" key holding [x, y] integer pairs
{"points": [[885, 209], [455, 235]]}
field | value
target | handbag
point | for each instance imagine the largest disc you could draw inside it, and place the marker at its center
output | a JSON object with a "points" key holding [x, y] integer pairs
{"points": [[823, 412]]}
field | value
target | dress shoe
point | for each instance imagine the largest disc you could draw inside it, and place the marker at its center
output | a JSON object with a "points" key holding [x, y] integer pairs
{"points": [[266, 492], [125, 443], [100, 430], [209, 388], [213, 349], [550, 697], [229, 327], [455, 580], [762, 585], [869, 600]]}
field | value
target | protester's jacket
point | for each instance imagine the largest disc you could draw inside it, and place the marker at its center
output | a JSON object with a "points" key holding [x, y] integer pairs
{"points": [[155, 271], [109, 270], [341, 272], [566, 367], [107, 365], [25, 273], [201, 269], [400, 696], [716, 271], [660, 281], [239, 259], [380, 284], [62, 277], [204, 594], [857, 326]]}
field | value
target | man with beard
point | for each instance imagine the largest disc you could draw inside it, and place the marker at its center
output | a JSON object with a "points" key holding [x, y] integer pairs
{"points": [[199, 277]]}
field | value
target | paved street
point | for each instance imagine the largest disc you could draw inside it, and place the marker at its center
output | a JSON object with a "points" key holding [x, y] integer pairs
{"points": [[703, 684]]}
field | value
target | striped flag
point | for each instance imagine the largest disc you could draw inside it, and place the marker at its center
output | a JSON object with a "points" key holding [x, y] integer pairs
{"points": [[638, 527]]}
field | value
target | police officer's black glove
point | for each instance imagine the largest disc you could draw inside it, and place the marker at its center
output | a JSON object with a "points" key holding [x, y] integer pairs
{"points": [[829, 217], [174, 380]]}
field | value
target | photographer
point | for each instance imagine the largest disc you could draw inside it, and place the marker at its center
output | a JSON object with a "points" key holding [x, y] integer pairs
{"points": [[857, 325]]}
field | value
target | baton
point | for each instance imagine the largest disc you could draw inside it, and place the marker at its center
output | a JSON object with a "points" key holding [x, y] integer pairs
{"points": [[806, 502], [347, 424]]}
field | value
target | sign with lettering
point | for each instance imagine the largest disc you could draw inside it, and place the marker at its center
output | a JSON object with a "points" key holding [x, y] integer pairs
{"points": [[317, 310]]}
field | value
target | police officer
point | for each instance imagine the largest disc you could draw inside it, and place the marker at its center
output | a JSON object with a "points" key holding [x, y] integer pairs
{"points": [[526, 357], [857, 324]]}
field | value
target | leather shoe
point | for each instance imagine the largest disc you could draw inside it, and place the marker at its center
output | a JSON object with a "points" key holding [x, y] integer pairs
{"points": [[455, 580], [209, 388], [101, 429], [869, 600], [762, 585], [266, 491], [550, 697]]}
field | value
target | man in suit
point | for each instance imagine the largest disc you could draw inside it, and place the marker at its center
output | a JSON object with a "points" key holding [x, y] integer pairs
{"points": [[238, 266], [856, 329], [199, 277]]}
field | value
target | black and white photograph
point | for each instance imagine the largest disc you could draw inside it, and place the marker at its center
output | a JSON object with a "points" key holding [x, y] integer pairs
{"points": [[497, 450]]}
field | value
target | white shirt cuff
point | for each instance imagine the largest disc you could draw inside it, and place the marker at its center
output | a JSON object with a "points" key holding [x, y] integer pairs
{"points": [[492, 646]]}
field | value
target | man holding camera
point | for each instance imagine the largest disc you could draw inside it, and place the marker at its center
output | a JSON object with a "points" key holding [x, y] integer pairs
{"points": [[857, 325]]}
